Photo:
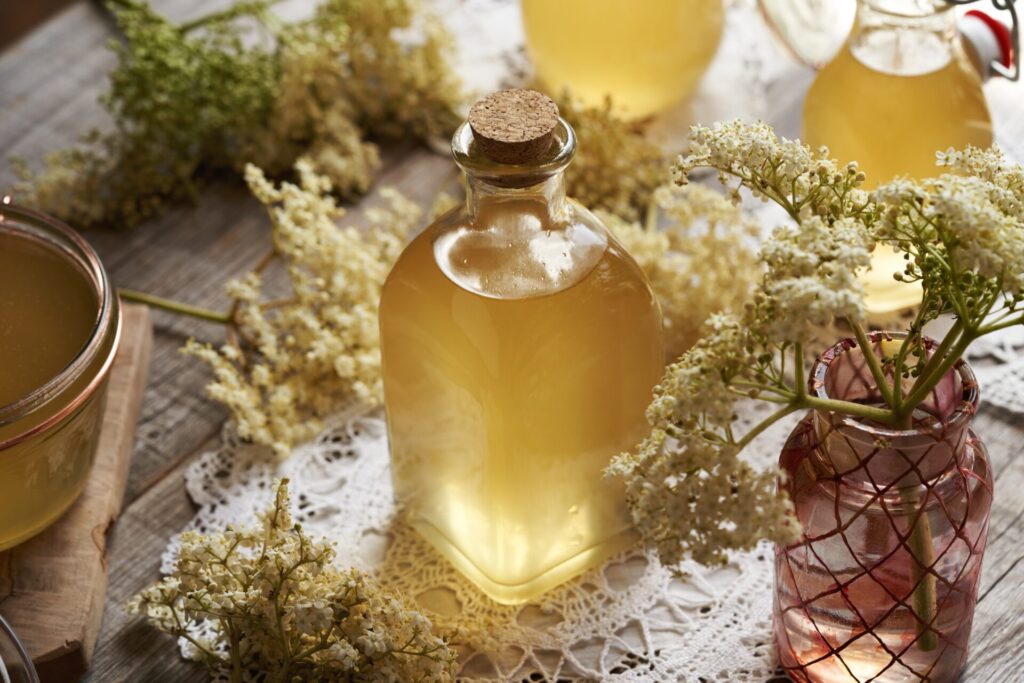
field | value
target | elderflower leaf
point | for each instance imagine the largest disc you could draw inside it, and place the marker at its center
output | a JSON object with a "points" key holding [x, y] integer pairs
{"points": [[272, 605]]}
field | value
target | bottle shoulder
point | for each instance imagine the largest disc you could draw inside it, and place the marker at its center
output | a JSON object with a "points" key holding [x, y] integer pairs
{"points": [[516, 251], [876, 62]]}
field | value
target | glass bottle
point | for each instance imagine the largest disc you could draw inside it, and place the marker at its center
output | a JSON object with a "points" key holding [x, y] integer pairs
{"points": [[882, 584], [901, 88], [520, 346], [646, 56]]}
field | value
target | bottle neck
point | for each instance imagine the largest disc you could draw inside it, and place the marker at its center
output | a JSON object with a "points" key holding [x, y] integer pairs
{"points": [[904, 37], [539, 186], [546, 196]]}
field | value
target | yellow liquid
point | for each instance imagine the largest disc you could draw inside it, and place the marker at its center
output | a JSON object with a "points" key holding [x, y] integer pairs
{"points": [[892, 125], [47, 312], [647, 55], [504, 410]]}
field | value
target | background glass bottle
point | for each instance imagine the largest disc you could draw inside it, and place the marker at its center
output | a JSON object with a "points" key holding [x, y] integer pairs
{"points": [[901, 89], [646, 55]]}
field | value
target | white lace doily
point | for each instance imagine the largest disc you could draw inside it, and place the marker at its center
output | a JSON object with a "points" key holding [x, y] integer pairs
{"points": [[629, 620], [998, 362]]}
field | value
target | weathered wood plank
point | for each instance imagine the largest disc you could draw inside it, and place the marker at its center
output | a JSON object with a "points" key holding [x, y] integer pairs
{"points": [[997, 639], [128, 650], [53, 587]]}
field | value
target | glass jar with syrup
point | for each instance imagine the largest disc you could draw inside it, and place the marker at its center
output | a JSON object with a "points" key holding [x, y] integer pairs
{"points": [[59, 329], [520, 345]]}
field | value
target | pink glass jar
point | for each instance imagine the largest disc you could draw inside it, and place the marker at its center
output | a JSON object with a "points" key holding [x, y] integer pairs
{"points": [[882, 584]]}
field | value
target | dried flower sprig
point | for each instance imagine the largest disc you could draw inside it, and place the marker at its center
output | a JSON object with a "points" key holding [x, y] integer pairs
{"points": [[616, 168], [701, 261], [297, 359], [964, 239], [210, 95], [269, 604]]}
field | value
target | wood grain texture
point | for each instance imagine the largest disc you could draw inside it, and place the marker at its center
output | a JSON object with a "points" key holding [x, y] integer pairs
{"points": [[49, 82], [54, 585]]}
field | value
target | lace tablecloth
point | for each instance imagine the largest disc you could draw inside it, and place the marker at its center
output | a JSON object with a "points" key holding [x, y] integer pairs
{"points": [[630, 620]]}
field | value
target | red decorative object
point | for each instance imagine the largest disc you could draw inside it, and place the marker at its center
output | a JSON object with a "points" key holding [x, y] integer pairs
{"points": [[882, 584]]}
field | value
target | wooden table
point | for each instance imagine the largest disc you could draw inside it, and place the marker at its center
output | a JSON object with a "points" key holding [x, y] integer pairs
{"points": [[49, 82]]}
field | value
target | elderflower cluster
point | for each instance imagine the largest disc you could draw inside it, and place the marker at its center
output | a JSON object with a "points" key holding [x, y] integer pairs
{"points": [[700, 262], [812, 277], [616, 169], [301, 357], [812, 263], [188, 101], [690, 493], [961, 231], [804, 182], [963, 237], [269, 604]]}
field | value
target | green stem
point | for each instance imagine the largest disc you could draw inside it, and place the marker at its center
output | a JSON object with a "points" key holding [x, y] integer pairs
{"points": [[850, 408], [923, 551], [798, 371], [651, 219], [995, 327], [927, 381], [236, 11], [872, 361], [768, 422], [954, 333], [236, 659], [175, 306], [913, 333], [781, 391]]}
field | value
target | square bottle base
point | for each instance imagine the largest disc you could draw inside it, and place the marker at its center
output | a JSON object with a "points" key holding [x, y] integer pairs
{"points": [[519, 593]]}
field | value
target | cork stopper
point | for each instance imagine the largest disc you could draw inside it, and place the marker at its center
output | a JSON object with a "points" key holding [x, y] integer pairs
{"points": [[514, 126]]}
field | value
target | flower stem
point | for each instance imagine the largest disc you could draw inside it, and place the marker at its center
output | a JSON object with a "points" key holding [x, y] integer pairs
{"points": [[995, 327], [175, 306], [923, 557], [764, 424], [241, 9], [930, 377], [850, 408], [872, 362]]}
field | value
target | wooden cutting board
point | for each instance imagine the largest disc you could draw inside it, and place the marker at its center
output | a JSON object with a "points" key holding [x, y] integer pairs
{"points": [[52, 587]]}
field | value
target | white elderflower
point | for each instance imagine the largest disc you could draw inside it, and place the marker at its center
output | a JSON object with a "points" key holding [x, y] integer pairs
{"points": [[812, 276], [701, 262], [300, 357], [279, 609]]}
